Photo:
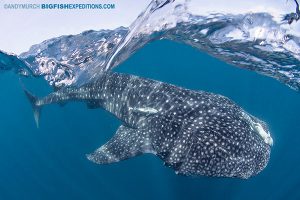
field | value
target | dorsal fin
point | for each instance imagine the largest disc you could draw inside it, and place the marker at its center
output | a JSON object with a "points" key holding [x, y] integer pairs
{"points": [[126, 143]]}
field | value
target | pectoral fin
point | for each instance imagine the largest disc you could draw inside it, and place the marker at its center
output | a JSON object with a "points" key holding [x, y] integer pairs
{"points": [[126, 143]]}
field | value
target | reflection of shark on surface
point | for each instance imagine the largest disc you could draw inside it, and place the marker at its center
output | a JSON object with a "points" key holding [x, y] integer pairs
{"points": [[193, 132]]}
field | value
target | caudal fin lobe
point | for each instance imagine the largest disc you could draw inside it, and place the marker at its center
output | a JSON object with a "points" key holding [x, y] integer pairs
{"points": [[35, 107]]}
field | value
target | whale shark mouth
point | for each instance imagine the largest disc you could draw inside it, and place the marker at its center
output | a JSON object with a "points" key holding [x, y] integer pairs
{"points": [[259, 127], [264, 134]]}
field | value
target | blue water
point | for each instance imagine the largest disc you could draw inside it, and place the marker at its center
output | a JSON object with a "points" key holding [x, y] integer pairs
{"points": [[50, 163]]}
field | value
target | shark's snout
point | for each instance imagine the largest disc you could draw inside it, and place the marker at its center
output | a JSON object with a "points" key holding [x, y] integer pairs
{"points": [[260, 127], [264, 133]]}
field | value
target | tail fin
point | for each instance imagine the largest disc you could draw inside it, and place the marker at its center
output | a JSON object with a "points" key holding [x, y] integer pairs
{"points": [[35, 107]]}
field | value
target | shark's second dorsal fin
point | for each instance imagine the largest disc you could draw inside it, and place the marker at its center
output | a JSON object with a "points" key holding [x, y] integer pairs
{"points": [[126, 143]]}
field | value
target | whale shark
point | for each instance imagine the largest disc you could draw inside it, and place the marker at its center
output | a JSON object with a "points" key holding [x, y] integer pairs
{"points": [[195, 133]]}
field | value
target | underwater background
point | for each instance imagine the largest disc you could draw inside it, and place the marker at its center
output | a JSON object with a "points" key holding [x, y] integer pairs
{"points": [[49, 162]]}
